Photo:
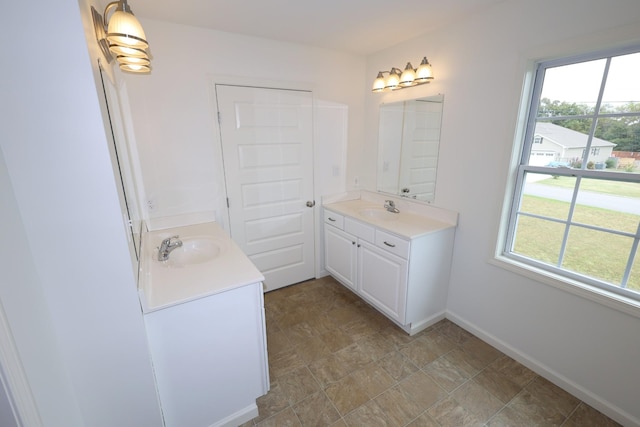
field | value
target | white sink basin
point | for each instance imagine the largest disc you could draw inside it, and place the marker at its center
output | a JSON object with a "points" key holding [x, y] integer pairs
{"points": [[378, 213], [195, 250]]}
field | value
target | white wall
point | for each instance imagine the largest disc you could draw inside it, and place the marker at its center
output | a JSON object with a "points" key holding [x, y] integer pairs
{"points": [[173, 109], [479, 65], [68, 288]]}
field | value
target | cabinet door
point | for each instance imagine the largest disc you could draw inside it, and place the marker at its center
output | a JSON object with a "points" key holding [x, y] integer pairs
{"points": [[382, 280], [340, 255]]}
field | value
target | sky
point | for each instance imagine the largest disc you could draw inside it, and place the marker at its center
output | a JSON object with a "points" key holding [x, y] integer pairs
{"points": [[580, 83]]}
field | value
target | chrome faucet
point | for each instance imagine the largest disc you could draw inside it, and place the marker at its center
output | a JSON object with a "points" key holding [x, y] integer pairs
{"points": [[391, 206], [167, 246]]}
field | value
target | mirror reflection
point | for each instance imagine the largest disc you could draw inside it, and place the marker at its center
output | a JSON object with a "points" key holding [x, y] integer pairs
{"points": [[408, 142], [123, 165]]}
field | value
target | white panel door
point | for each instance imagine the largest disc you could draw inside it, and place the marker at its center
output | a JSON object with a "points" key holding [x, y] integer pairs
{"points": [[268, 160], [419, 161]]}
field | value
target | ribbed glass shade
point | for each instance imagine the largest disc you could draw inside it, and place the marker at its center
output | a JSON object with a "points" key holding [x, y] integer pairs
{"points": [[135, 68], [125, 30], [393, 80], [132, 60], [424, 72], [378, 83], [118, 50], [408, 76]]}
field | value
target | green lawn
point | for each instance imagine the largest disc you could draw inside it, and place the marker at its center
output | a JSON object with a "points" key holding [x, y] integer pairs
{"points": [[593, 253]]}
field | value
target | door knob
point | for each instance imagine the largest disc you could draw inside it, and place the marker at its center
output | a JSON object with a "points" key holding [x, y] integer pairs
{"points": [[311, 203]]}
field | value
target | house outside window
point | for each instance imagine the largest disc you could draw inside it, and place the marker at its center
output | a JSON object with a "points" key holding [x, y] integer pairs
{"points": [[577, 218]]}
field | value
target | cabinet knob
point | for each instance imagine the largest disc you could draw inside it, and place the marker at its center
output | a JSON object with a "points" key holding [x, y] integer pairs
{"points": [[353, 243], [311, 203]]}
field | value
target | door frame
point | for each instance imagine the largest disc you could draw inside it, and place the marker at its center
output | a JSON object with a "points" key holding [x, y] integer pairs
{"points": [[223, 218]]}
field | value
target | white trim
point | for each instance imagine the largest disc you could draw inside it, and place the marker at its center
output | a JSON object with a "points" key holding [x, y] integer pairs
{"points": [[238, 418], [14, 379], [597, 402]]}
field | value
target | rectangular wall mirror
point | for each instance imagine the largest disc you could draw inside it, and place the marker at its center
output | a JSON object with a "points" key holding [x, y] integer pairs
{"points": [[408, 142]]}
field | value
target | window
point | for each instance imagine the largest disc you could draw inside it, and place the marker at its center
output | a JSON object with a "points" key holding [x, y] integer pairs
{"points": [[579, 217]]}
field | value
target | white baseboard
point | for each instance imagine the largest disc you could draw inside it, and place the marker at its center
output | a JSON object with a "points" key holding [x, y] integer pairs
{"points": [[416, 327], [602, 405], [238, 418]]}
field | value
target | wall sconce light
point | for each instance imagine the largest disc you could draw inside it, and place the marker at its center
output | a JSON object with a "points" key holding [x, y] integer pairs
{"points": [[397, 79], [121, 36]]}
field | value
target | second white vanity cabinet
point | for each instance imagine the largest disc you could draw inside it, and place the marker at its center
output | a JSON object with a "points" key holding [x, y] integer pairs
{"points": [[204, 315], [404, 274]]}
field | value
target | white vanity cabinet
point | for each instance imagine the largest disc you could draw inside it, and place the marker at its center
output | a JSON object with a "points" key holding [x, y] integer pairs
{"points": [[209, 357], [404, 277], [205, 326], [340, 250]]}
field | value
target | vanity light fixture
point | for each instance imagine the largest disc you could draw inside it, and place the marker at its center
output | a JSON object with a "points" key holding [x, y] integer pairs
{"points": [[121, 36], [397, 79]]}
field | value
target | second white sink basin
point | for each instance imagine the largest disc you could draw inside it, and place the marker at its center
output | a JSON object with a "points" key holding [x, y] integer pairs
{"points": [[195, 250], [378, 213]]}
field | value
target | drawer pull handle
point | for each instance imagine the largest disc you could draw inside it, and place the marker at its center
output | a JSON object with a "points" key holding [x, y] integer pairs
{"points": [[331, 219], [390, 244]]}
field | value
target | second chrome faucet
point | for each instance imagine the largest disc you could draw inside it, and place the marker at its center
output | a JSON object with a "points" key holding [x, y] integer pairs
{"points": [[391, 206], [167, 245]]}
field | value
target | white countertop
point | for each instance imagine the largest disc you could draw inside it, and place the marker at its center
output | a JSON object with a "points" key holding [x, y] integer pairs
{"points": [[162, 284], [407, 223]]}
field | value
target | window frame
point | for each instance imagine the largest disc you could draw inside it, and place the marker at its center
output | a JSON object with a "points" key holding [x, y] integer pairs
{"points": [[589, 287]]}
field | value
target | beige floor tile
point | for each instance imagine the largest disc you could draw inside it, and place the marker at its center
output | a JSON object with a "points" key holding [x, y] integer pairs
{"points": [[298, 385], [399, 407], [347, 394], [499, 384], [353, 357], [376, 346], [454, 332], [448, 374], [284, 363], [424, 420], [316, 410], [278, 342], [374, 379], [397, 336], [369, 415], [336, 339], [419, 352], [481, 353], [272, 403], [397, 365], [286, 418], [359, 328], [330, 353], [586, 416], [478, 400], [328, 369], [534, 411], [422, 390], [515, 371], [312, 349], [510, 417], [449, 413], [553, 397]]}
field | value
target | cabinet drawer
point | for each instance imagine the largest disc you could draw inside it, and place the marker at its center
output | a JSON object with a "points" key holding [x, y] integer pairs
{"points": [[393, 244], [360, 229], [334, 219]]}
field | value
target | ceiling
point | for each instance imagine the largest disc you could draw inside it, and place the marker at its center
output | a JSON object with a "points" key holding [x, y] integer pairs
{"points": [[356, 26]]}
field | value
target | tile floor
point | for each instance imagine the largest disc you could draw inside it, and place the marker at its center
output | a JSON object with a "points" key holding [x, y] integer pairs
{"points": [[335, 361]]}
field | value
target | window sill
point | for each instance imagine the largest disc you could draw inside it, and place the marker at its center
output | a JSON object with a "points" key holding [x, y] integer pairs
{"points": [[600, 296]]}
